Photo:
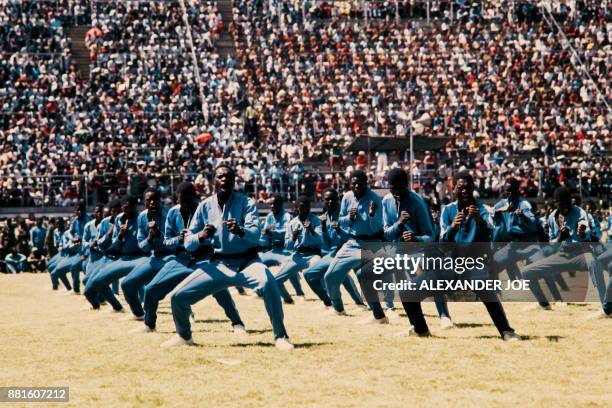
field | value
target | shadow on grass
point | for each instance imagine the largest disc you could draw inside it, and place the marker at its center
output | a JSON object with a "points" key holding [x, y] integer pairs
{"points": [[263, 344], [553, 338], [212, 321], [258, 331], [471, 325]]}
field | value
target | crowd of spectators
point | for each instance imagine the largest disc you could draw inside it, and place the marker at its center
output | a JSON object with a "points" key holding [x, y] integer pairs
{"points": [[308, 77]]}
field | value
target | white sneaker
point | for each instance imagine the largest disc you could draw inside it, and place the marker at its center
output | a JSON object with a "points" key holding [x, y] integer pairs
{"points": [[333, 312], [362, 308], [411, 333], [561, 305], [239, 330], [446, 323], [323, 307], [373, 320], [511, 336], [537, 306], [132, 318], [392, 314], [142, 329], [176, 341], [283, 344], [601, 315]]}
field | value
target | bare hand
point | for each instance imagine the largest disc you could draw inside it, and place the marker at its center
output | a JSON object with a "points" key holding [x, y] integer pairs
{"points": [[564, 233], [308, 226], [206, 232], [353, 214], [233, 227], [474, 213], [408, 236], [458, 221], [582, 230], [294, 234], [404, 217], [373, 207]]}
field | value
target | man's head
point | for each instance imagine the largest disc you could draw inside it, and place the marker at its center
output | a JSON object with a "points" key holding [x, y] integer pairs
{"points": [[98, 212], [398, 182], [302, 207], [330, 199], [80, 210], [358, 181], [511, 188], [276, 204], [39, 222], [464, 187], [152, 200], [186, 194], [563, 200], [128, 206], [224, 181], [114, 207], [60, 223]]}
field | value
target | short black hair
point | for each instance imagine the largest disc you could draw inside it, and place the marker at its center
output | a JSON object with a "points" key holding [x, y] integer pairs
{"points": [[186, 187], [154, 191], [563, 194], [129, 199], [302, 200], [514, 183], [464, 175], [225, 166], [114, 203], [359, 174], [99, 206], [80, 206], [331, 190], [397, 176], [277, 198]]}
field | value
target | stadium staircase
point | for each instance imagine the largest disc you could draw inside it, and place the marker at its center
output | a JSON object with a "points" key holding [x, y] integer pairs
{"points": [[80, 53], [225, 43]]}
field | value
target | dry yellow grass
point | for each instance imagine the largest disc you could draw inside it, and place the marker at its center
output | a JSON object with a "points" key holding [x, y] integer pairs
{"points": [[47, 340]]}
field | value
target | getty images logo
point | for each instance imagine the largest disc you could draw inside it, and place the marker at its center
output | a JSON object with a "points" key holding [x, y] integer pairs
{"points": [[411, 264]]}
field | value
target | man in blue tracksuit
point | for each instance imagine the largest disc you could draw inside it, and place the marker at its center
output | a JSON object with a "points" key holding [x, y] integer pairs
{"points": [[303, 241], [69, 254], [407, 218], [273, 240], [90, 250], [361, 219], [462, 221], [124, 243], [567, 224], [103, 242], [151, 226], [74, 262], [181, 263], [333, 239], [58, 232], [37, 236], [514, 222], [77, 229], [229, 219]]}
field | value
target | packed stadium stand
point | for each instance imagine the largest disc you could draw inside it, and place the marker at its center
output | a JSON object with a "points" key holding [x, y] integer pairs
{"points": [[520, 88]]}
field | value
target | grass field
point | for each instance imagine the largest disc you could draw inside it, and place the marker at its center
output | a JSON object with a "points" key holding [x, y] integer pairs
{"points": [[47, 340]]}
